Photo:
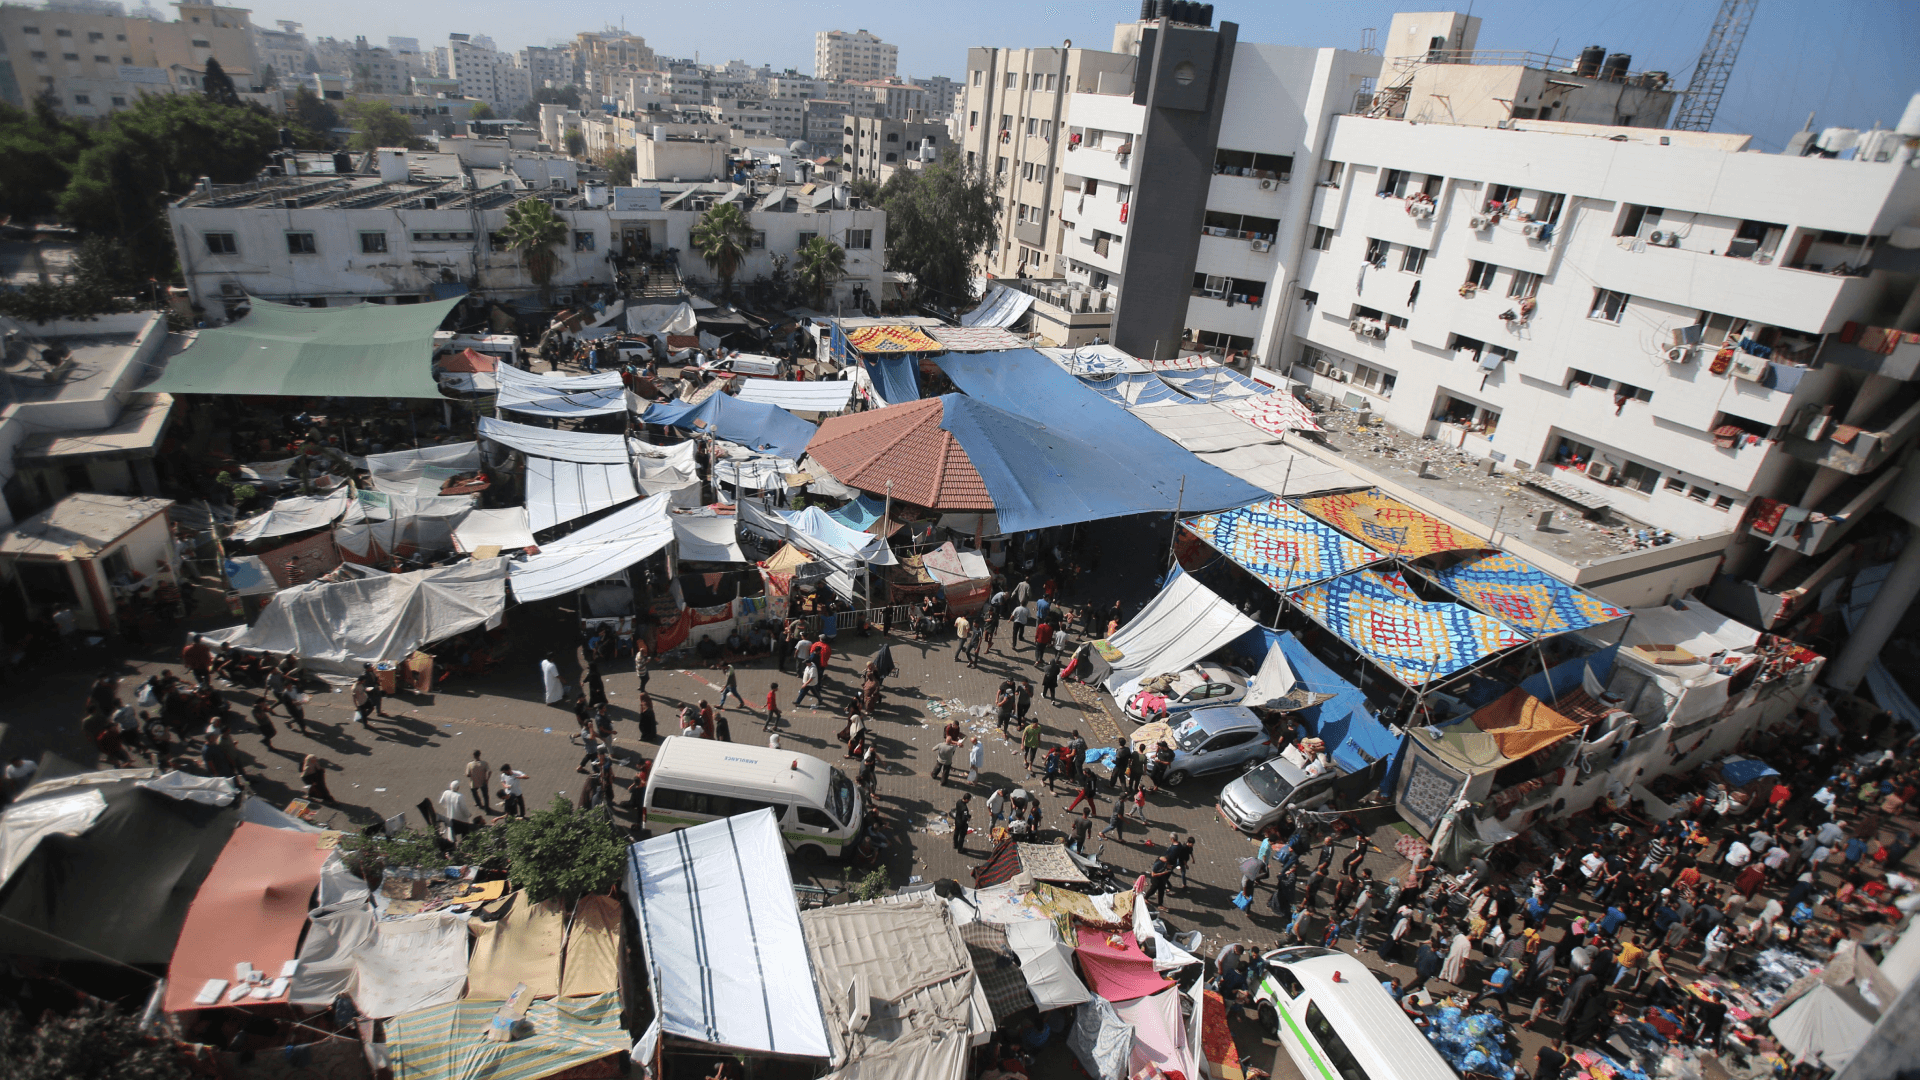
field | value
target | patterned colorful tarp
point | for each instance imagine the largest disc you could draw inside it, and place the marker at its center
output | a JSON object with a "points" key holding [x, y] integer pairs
{"points": [[1183, 363], [1282, 546], [1215, 384], [891, 339], [1415, 641], [1524, 596], [1275, 414], [1387, 524], [1130, 390]]}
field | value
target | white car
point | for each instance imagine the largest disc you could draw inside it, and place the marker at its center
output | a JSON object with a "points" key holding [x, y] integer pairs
{"points": [[1196, 687]]}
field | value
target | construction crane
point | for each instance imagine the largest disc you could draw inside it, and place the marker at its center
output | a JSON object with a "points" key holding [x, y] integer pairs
{"points": [[1715, 66]]}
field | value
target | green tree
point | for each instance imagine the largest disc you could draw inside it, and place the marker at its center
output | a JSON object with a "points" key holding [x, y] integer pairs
{"points": [[269, 78], [723, 238], [940, 219], [313, 112], [218, 85], [38, 149], [576, 144], [821, 263], [377, 124], [154, 152], [619, 166], [94, 1040], [547, 95], [481, 111], [532, 229], [565, 852]]}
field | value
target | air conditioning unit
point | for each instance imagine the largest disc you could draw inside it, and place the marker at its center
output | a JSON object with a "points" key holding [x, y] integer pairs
{"points": [[1266, 185], [1663, 238], [1372, 329], [1534, 230], [1680, 354], [1263, 245], [1341, 375], [1356, 324], [1480, 222], [1601, 471], [1420, 209]]}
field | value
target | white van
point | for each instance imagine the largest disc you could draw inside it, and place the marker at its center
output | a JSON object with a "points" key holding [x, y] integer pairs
{"points": [[700, 780], [1338, 1023]]}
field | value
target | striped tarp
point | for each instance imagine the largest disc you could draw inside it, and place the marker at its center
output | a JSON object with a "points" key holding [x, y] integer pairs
{"points": [[448, 1042]]}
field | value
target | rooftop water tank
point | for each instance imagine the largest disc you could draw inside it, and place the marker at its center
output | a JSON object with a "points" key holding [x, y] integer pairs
{"points": [[1590, 58], [1615, 69]]}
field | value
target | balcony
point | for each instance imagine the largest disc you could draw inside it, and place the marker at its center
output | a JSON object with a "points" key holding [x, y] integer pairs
{"points": [[1876, 351], [1816, 531], [1803, 300], [1869, 447]]}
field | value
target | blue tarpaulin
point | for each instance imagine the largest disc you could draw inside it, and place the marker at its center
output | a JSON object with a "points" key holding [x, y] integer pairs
{"points": [[1353, 736], [860, 514], [1027, 384], [1740, 772], [752, 425], [1556, 682], [895, 378]]}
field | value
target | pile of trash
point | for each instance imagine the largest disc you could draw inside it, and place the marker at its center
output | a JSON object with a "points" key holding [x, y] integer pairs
{"points": [[1471, 1042]]}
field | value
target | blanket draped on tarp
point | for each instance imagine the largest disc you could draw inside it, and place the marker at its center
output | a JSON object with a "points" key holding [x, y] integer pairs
{"points": [[891, 339], [1387, 524], [1522, 724], [1524, 596], [1414, 640], [1281, 545], [1116, 972], [448, 1042]]}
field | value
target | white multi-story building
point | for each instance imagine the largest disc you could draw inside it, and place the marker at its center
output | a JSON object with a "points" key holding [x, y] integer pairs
{"points": [[546, 66], [897, 100], [842, 57], [284, 50], [877, 146], [943, 95], [487, 73], [93, 60], [376, 70]]}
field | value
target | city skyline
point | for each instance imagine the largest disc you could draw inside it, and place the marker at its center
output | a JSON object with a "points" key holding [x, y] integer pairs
{"points": [[1843, 62]]}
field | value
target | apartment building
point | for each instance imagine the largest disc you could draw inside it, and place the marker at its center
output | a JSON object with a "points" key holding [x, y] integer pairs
{"points": [[487, 73], [874, 147], [842, 57], [825, 121], [424, 225], [897, 100], [943, 95], [95, 60], [546, 66], [284, 50], [375, 69]]}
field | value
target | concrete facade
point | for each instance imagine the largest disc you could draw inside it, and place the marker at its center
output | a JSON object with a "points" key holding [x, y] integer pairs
{"points": [[94, 64], [842, 57], [877, 146]]}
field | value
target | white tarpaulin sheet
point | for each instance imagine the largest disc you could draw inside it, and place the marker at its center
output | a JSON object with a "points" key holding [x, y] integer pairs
{"points": [[1826, 1025], [506, 529], [830, 395], [579, 446], [1001, 306], [296, 514], [1185, 623], [1159, 1033], [327, 954], [411, 464], [24, 824], [1101, 1040], [603, 548], [1166, 955], [663, 468], [707, 537], [342, 625], [560, 491], [661, 319], [756, 472], [1272, 681], [411, 963], [725, 956], [1095, 360], [573, 395], [1691, 625], [1047, 964], [1220, 438], [380, 522]]}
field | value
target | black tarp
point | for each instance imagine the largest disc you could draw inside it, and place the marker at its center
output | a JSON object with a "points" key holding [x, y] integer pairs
{"points": [[121, 890]]}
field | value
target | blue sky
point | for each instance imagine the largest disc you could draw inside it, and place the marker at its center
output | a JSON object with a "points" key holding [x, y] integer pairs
{"points": [[1850, 61]]}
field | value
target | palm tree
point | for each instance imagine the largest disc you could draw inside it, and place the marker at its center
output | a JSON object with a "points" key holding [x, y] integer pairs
{"points": [[533, 230], [723, 238], [822, 262]]}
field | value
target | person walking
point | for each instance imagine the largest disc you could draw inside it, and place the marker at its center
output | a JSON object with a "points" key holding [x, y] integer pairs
{"points": [[1158, 879], [962, 626], [362, 707], [643, 664], [290, 699], [649, 720], [1050, 681], [943, 760], [553, 689], [809, 683], [1042, 638], [773, 707], [1003, 706], [376, 698], [197, 656], [313, 773], [1116, 822], [1030, 742], [976, 759], [1455, 969], [457, 810], [731, 686], [263, 720], [802, 650], [1086, 794], [512, 802], [1023, 703], [478, 773], [1182, 854], [972, 647], [962, 817]]}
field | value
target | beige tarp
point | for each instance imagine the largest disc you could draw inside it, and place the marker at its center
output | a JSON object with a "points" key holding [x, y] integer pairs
{"points": [[593, 948], [524, 947]]}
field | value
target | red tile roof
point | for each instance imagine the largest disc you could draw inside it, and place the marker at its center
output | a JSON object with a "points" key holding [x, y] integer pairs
{"points": [[906, 445]]}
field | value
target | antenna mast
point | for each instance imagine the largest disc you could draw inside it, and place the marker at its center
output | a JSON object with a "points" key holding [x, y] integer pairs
{"points": [[1711, 71]]}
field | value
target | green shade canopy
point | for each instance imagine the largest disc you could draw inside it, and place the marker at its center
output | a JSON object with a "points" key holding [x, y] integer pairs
{"points": [[364, 350]]}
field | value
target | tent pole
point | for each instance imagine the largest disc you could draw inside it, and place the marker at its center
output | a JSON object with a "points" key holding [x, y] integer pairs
{"points": [[1173, 534]]}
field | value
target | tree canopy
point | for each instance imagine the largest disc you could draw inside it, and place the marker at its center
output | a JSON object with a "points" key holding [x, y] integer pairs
{"points": [[313, 112], [480, 111], [377, 124], [723, 238], [940, 219], [821, 263], [38, 149], [94, 1039], [619, 166], [532, 229], [218, 85]]}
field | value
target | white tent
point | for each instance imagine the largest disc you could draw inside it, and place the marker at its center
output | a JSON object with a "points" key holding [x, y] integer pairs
{"points": [[1002, 306], [754, 472], [1827, 1024], [295, 514], [505, 529], [1220, 438], [412, 464], [560, 491], [1692, 626], [600, 550], [572, 395], [339, 626], [1046, 963], [388, 967], [1185, 623], [580, 446], [662, 468], [721, 933], [1272, 681], [649, 320], [379, 522], [820, 395], [704, 536]]}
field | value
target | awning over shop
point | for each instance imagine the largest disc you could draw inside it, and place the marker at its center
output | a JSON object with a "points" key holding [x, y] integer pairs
{"points": [[343, 625], [296, 513], [577, 446], [1414, 640], [599, 550], [363, 350], [906, 446], [753, 425], [818, 395], [1001, 306], [252, 907], [1281, 545], [726, 958], [1139, 465], [1185, 623], [505, 529], [1387, 524], [560, 396], [559, 491]]}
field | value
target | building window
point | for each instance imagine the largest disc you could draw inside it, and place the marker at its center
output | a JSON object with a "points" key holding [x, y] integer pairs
{"points": [[1322, 238], [103, 60], [1698, 493], [1588, 378], [1414, 261], [373, 243], [1723, 502], [1636, 218], [82, 99], [1252, 165], [221, 243], [1524, 285], [451, 238], [1013, 80], [892, 156], [38, 55], [973, 119], [759, 238], [1396, 322], [1480, 274], [859, 239], [1373, 380], [1641, 478], [1674, 483], [300, 243], [1608, 305], [30, 30], [1377, 251], [118, 102], [976, 76], [63, 33], [583, 241], [69, 56]]}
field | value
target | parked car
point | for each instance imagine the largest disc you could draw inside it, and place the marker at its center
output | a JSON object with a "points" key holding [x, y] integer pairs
{"points": [[1197, 686], [1211, 739], [1258, 797]]}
